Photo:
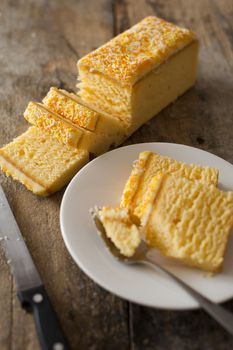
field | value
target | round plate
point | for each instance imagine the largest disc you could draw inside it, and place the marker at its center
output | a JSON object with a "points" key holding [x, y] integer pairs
{"points": [[101, 183]]}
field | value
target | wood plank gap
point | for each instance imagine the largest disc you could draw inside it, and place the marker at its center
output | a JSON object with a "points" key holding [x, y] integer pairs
{"points": [[130, 326], [117, 5], [11, 312], [114, 17]]}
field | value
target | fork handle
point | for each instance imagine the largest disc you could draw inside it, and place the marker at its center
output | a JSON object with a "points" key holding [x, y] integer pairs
{"points": [[219, 313]]}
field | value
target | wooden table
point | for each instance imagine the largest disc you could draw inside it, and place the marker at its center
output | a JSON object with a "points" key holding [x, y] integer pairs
{"points": [[40, 43]]}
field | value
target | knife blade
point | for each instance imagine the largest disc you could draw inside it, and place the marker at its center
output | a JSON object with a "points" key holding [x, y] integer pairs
{"points": [[18, 256], [30, 289]]}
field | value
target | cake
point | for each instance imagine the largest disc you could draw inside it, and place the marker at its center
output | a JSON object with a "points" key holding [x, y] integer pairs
{"points": [[74, 124], [150, 164], [73, 109], [120, 229], [188, 221], [139, 72], [40, 116], [41, 163], [64, 104], [122, 85]]}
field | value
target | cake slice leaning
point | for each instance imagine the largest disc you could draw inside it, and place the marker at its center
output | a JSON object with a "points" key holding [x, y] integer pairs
{"points": [[73, 124], [41, 163], [139, 72], [150, 164], [72, 109], [64, 104], [186, 220], [40, 116]]}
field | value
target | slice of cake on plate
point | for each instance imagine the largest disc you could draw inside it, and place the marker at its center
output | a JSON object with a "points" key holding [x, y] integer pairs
{"points": [[41, 163], [139, 72], [150, 164], [188, 220]]}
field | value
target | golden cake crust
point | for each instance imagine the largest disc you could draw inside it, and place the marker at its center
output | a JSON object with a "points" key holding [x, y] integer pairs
{"points": [[47, 120], [63, 103], [132, 54]]}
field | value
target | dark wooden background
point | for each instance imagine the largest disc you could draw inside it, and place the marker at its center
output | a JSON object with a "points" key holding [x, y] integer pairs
{"points": [[40, 43]]}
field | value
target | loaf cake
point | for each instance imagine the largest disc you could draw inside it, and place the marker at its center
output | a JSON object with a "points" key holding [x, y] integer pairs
{"points": [[188, 220], [120, 229], [139, 72], [150, 164], [122, 85], [41, 163], [100, 133]]}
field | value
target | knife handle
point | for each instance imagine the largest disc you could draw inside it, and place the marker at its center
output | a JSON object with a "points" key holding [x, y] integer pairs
{"points": [[50, 334]]}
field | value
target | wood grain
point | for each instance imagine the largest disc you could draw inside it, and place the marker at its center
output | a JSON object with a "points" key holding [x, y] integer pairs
{"points": [[40, 42]]}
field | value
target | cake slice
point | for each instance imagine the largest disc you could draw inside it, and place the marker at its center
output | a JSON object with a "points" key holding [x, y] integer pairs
{"points": [[41, 163], [43, 118], [72, 108], [188, 221], [150, 164], [139, 72], [76, 125], [62, 103], [120, 229]]}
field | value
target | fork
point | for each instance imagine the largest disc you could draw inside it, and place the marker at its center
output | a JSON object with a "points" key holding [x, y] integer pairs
{"points": [[141, 256]]}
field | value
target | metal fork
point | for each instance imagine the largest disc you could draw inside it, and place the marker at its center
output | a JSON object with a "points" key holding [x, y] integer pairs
{"points": [[141, 256]]}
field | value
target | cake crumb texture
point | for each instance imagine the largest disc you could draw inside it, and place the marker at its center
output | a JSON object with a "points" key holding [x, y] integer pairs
{"points": [[191, 222], [41, 163]]}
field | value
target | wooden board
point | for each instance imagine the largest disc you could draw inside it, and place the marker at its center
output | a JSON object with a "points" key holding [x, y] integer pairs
{"points": [[40, 43]]}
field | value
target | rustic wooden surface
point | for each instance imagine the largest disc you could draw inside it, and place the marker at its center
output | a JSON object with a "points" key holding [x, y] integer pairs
{"points": [[40, 42]]}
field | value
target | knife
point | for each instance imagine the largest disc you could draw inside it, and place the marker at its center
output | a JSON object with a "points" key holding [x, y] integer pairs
{"points": [[30, 289]]}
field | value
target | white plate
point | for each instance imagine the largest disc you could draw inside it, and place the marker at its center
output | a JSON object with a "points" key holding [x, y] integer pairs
{"points": [[101, 183]]}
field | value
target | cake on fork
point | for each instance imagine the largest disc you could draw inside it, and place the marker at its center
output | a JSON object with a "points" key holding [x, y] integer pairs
{"points": [[120, 229], [139, 72]]}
